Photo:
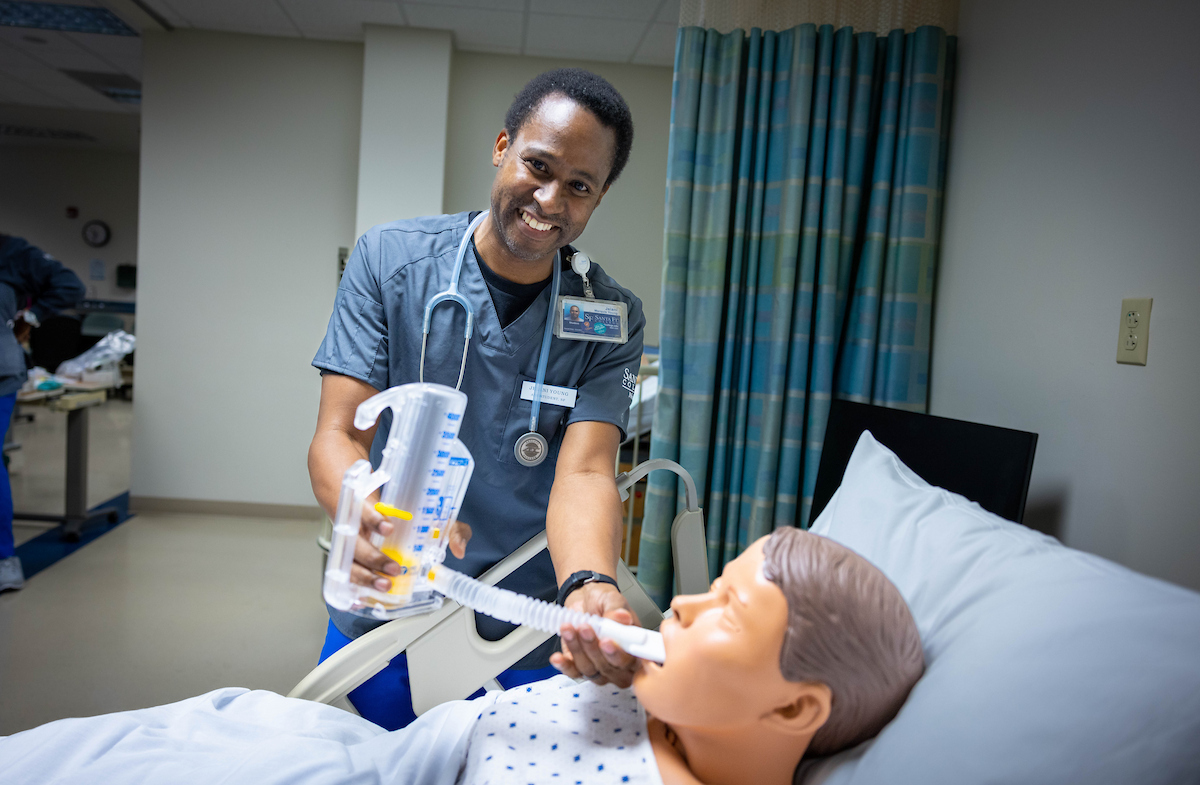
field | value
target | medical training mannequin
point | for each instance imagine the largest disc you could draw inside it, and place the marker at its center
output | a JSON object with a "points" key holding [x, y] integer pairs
{"points": [[800, 645]]}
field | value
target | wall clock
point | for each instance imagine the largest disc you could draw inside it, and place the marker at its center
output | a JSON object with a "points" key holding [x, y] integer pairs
{"points": [[96, 233]]}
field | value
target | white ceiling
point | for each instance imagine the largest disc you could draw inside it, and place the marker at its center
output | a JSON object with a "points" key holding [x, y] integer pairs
{"points": [[621, 31]]}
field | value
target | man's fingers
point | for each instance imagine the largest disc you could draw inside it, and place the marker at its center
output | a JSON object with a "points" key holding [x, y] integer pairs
{"points": [[367, 561], [364, 577], [459, 536], [563, 661], [373, 521]]}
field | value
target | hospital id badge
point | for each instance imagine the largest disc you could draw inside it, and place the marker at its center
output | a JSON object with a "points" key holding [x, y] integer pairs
{"points": [[583, 319]]}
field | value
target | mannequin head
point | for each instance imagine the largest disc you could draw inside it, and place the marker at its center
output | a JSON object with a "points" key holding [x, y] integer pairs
{"points": [[801, 644]]}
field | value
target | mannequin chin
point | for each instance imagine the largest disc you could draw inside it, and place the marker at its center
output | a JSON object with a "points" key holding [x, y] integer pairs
{"points": [[722, 709]]}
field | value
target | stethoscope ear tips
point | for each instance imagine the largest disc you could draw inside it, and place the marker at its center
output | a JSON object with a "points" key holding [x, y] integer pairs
{"points": [[581, 263]]}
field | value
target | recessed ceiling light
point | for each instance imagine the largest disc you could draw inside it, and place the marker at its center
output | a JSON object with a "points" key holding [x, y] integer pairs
{"points": [[67, 18]]}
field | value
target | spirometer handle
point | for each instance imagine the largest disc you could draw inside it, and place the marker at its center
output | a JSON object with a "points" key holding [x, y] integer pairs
{"points": [[369, 410]]}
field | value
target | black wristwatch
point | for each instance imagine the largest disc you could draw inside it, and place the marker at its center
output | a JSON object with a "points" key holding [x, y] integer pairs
{"points": [[578, 579]]}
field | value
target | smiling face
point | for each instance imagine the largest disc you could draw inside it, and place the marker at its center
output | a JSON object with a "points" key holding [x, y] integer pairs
{"points": [[722, 664], [551, 177]]}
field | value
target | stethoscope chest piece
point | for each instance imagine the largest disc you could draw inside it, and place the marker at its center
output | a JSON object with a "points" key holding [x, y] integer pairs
{"points": [[531, 449]]}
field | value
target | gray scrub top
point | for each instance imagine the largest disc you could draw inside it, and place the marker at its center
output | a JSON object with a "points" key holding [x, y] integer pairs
{"points": [[375, 335]]}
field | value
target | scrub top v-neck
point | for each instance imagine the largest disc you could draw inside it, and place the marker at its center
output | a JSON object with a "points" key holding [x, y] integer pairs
{"points": [[375, 335]]}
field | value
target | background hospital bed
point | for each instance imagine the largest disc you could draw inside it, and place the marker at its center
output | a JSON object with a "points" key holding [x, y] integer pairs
{"points": [[447, 657]]}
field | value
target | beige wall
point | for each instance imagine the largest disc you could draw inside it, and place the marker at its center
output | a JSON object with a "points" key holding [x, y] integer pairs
{"points": [[249, 161], [625, 234], [1072, 186], [103, 184]]}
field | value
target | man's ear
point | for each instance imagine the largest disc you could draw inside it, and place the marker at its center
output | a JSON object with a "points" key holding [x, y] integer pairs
{"points": [[806, 713], [499, 148]]}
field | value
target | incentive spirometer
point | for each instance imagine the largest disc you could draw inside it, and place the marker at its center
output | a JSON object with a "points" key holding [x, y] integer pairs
{"points": [[422, 479]]}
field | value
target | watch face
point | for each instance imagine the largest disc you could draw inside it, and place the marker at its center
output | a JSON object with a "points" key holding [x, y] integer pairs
{"points": [[96, 233]]}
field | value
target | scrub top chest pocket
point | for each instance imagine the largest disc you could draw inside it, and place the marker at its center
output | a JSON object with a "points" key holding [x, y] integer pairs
{"points": [[516, 424]]}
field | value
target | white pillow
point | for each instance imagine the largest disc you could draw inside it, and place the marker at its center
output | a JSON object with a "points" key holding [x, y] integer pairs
{"points": [[1043, 664]]}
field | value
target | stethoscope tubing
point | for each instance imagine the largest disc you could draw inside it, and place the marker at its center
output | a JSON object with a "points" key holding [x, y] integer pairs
{"points": [[452, 295]]}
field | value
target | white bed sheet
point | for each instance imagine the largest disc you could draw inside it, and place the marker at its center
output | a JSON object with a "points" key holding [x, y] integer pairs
{"points": [[235, 735]]}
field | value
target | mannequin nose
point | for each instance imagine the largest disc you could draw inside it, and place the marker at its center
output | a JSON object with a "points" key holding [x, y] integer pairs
{"points": [[686, 607]]}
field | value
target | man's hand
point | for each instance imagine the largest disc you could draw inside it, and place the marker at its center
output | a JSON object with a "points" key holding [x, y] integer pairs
{"points": [[336, 445], [22, 329], [369, 561], [583, 655]]}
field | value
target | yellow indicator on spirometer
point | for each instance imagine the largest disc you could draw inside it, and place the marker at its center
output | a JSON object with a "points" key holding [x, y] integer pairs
{"points": [[402, 583], [437, 533], [393, 512]]}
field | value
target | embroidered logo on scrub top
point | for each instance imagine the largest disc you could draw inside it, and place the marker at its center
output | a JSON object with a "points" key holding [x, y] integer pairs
{"points": [[629, 383]]}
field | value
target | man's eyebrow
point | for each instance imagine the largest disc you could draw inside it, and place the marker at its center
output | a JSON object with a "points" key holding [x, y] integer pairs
{"points": [[538, 152]]}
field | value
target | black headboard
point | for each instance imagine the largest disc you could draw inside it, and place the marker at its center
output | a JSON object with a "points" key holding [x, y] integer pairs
{"points": [[984, 463]]}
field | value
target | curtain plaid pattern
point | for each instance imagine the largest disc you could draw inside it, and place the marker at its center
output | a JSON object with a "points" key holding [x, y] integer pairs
{"points": [[804, 194]]}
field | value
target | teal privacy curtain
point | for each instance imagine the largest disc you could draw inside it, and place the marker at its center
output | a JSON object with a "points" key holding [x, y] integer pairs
{"points": [[804, 193]]}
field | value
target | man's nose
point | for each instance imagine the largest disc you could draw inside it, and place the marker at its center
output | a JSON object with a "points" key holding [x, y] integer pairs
{"points": [[549, 198]]}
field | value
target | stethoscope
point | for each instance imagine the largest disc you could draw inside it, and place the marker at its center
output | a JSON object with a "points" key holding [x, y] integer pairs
{"points": [[531, 448]]}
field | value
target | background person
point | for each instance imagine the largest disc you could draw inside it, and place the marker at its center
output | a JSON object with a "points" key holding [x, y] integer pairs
{"points": [[33, 286]]}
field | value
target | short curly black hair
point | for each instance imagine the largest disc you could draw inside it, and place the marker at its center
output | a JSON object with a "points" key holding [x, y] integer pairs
{"points": [[586, 89]]}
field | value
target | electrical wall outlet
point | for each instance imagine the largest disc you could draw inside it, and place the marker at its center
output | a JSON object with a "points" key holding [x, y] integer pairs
{"points": [[1134, 336]]}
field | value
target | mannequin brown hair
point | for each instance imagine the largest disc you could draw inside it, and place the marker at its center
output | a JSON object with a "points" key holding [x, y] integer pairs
{"points": [[848, 628]]}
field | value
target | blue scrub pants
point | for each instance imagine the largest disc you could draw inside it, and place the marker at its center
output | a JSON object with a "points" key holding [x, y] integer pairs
{"points": [[386, 699], [7, 402]]}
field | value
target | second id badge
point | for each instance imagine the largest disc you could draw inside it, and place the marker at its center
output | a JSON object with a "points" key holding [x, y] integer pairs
{"points": [[583, 319]]}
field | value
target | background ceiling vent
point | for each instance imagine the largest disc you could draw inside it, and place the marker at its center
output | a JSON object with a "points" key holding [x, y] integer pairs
{"points": [[67, 18], [119, 87], [24, 132]]}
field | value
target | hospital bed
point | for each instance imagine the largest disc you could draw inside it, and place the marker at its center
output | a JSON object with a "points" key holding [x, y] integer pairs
{"points": [[1044, 666], [447, 657]]}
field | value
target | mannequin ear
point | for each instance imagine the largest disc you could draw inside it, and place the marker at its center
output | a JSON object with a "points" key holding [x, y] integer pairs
{"points": [[806, 713], [499, 148]]}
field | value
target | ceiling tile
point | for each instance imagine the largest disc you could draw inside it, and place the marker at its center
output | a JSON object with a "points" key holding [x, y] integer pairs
{"points": [[658, 47], [473, 27], [164, 9], [668, 12], [491, 5], [13, 92], [263, 17], [603, 9], [610, 40], [342, 20], [123, 53], [57, 51]]}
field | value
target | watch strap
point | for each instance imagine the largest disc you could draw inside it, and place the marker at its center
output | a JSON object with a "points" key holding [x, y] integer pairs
{"points": [[581, 578]]}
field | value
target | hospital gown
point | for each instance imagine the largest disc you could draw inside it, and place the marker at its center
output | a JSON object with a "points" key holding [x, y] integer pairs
{"points": [[554, 731]]}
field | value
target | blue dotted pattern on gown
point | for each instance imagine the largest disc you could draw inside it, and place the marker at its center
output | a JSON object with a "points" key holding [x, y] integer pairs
{"points": [[558, 732]]}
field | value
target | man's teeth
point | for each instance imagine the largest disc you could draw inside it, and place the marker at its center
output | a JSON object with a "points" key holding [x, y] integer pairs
{"points": [[536, 224]]}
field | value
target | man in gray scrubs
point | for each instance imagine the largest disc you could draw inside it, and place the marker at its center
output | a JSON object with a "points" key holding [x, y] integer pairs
{"points": [[566, 138]]}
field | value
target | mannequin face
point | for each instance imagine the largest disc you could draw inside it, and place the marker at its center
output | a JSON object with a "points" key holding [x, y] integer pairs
{"points": [[722, 664]]}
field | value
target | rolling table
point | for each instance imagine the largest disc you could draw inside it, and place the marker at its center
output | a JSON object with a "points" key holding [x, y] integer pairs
{"points": [[75, 516]]}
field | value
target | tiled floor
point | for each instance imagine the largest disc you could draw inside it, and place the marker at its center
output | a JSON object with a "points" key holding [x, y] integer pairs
{"points": [[161, 608]]}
